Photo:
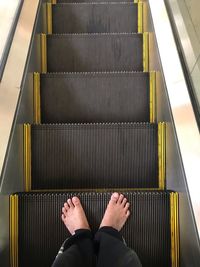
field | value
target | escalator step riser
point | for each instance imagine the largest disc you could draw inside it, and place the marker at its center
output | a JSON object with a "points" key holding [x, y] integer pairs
{"points": [[95, 18], [94, 52], [80, 98], [147, 230], [94, 156]]}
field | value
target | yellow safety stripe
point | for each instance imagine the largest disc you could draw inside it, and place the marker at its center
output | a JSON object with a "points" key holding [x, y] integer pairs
{"points": [[43, 40], [14, 231], [49, 17], [152, 105], [27, 157], [54, 2], [140, 17], [174, 223], [145, 51], [36, 98], [162, 153], [99, 190]]}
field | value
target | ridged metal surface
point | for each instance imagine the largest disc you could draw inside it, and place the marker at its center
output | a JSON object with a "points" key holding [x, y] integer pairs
{"points": [[41, 231], [95, 17], [87, 1], [94, 52], [95, 97], [94, 156]]}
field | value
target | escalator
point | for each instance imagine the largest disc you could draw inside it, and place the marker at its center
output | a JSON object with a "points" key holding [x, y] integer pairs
{"points": [[94, 132]]}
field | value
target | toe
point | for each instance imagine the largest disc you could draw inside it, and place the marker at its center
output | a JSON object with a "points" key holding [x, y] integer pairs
{"points": [[124, 202], [63, 217], [76, 201], [69, 201], [128, 213], [64, 211], [121, 197], [66, 206], [127, 206], [114, 197]]}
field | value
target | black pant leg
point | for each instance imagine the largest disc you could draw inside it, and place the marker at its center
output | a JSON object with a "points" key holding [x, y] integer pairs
{"points": [[77, 251], [112, 251]]}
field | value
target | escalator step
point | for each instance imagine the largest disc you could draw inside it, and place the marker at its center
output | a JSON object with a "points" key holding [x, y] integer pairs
{"points": [[95, 18], [41, 232], [89, 1], [95, 97], [123, 155], [94, 52]]}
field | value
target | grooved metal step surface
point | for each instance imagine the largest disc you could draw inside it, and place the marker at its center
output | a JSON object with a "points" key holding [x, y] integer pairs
{"points": [[94, 156], [94, 97], [95, 17], [41, 231], [89, 1], [94, 52]]}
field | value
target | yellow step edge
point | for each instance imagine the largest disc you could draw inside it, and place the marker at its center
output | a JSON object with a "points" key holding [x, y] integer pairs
{"points": [[98, 190], [11, 237], [54, 2], [145, 51], [13, 230], [174, 223], [49, 18], [152, 104], [36, 98], [27, 157], [162, 153], [43, 44], [140, 17]]}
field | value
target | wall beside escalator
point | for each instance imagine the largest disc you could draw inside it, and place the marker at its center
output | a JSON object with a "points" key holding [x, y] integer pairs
{"points": [[185, 15]]}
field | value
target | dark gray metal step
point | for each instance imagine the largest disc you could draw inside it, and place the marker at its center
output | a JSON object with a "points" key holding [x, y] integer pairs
{"points": [[95, 97], [121, 155], [89, 1], [95, 18], [94, 52], [147, 231]]}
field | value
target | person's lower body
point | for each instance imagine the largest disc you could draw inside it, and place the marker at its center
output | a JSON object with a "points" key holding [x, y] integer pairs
{"points": [[113, 251], [77, 251], [107, 249]]}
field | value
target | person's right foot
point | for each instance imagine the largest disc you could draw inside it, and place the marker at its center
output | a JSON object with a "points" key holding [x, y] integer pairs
{"points": [[74, 216], [117, 212]]}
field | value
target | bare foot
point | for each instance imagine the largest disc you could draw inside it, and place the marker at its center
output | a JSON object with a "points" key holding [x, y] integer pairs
{"points": [[117, 212], [74, 216]]}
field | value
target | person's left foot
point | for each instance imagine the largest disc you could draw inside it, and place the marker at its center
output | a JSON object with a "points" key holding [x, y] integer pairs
{"points": [[74, 216]]}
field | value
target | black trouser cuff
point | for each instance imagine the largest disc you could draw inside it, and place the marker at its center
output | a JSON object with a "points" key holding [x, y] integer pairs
{"points": [[111, 231], [79, 234]]}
